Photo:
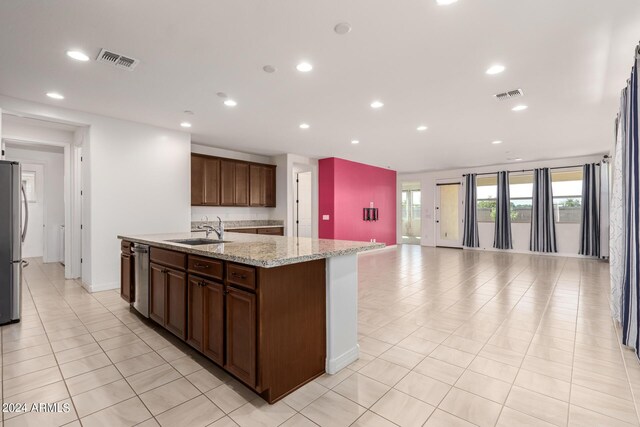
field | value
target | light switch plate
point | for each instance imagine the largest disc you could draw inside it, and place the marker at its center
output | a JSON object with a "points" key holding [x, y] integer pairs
{"points": [[325, 217]]}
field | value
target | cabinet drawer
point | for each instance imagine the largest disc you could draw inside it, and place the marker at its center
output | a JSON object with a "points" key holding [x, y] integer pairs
{"points": [[125, 246], [205, 267], [241, 275], [168, 258], [275, 231]]}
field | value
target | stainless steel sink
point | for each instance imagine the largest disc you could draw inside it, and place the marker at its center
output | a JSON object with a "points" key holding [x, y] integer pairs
{"points": [[197, 241]]}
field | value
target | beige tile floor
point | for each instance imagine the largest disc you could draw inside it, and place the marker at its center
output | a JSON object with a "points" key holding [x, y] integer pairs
{"points": [[447, 338]]}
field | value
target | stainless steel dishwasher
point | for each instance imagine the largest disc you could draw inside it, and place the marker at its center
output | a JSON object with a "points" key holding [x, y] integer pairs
{"points": [[141, 277]]}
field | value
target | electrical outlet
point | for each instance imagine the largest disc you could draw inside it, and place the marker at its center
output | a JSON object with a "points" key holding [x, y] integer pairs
{"points": [[325, 217]]}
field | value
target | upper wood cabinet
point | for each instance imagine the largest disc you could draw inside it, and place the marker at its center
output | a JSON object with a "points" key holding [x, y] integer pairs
{"points": [[205, 181], [217, 181]]}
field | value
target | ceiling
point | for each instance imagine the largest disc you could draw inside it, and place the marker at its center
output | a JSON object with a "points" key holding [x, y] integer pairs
{"points": [[425, 62]]}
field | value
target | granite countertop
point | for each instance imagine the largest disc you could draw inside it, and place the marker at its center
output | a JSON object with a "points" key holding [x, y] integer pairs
{"points": [[259, 250]]}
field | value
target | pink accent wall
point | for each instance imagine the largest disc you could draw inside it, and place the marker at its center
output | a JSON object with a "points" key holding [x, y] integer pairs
{"points": [[345, 188]]}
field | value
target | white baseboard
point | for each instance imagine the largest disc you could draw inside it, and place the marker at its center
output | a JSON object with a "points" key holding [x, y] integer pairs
{"points": [[516, 251], [335, 365], [102, 287]]}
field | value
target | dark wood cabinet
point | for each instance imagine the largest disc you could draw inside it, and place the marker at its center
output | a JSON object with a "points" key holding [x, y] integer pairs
{"points": [[241, 196], [241, 335], [227, 182], [205, 319], [157, 292], [269, 180], [217, 181], [168, 298], [256, 178], [176, 303], [274, 231], [212, 181], [197, 180], [264, 326], [126, 277]]}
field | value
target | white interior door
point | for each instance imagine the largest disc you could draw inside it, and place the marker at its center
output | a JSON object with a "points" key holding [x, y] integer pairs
{"points": [[449, 215], [303, 223]]}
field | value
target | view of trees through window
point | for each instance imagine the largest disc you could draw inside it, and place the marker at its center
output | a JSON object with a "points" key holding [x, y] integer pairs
{"points": [[567, 196]]}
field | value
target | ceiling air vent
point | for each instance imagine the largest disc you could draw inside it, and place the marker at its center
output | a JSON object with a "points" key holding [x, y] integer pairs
{"points": [[508, 95], [117, 60]]}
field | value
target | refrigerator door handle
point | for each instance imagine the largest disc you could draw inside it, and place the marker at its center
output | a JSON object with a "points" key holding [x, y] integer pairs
{"points": [[26, 214]]}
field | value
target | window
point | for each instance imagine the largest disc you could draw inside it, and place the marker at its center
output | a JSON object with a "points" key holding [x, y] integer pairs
{"points": [[521, 193], [487, 192], [567, 195]]}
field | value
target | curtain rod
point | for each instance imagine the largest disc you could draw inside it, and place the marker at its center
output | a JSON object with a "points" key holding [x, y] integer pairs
{"points": [[527, 170]]}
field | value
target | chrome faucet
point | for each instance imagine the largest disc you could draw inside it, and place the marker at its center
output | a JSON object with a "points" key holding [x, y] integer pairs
{"points": [[219, 231]]}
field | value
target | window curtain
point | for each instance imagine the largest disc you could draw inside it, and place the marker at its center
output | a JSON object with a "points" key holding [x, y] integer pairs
{"points": [[590, 219], [470, 237], [543, 228], [502, 233], [617, 218], [631, 178]]}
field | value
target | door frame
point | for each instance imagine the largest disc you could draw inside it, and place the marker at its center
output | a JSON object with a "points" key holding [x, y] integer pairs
{"points": [[445, 182]]}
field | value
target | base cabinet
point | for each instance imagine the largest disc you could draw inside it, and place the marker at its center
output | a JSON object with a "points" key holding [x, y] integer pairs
{"points": [[264, 326], [205, 311], [126, 277], [168, 298], [241, 335]]}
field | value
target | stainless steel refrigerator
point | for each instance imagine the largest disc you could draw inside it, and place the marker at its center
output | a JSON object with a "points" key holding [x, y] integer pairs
{"points": [[12, 234]]}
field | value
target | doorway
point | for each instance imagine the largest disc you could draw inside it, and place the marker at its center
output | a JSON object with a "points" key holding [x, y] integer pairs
{"points": [[448, 217], [303, 211], [411, 213]]}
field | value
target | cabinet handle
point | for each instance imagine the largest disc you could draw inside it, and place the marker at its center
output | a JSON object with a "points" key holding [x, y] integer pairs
{"points": [[198, 265], [202, 283]]}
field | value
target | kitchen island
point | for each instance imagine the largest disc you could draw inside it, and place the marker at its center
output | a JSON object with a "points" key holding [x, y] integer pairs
{"points": [[275, 312]]}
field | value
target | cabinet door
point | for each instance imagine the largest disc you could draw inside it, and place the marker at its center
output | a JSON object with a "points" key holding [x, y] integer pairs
{"points": [[212, 182], [195, 312], [157, 296], [256, 185], [227, 182], [241, 335], [176, 303], [197, 180], [126, 277], [242, 184], [270, 187], [213, 344]]}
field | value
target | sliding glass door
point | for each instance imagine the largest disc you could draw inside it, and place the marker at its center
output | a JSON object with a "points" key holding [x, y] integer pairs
{"points": [[411, 212]]}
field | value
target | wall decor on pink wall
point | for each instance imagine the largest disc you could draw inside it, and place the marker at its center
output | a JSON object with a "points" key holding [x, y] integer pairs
{"points": [[345, 189]]}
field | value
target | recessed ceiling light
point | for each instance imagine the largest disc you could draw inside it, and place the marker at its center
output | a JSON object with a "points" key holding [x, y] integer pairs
{"points": [[519, 108], [518, 159], [342, 28], [496, 142], [185, 124], [230, 103], [495, 69], [304, 126], [446, 2], [269, 69], [55, 95], [377, 104], [422, 128], [77, 55], [355, 141], [304, 67]]}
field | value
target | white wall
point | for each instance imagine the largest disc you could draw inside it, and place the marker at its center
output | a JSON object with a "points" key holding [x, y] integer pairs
{"points": [[135, 179], [285, 197], [567, 235], [48, 210], [232, 212]]}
